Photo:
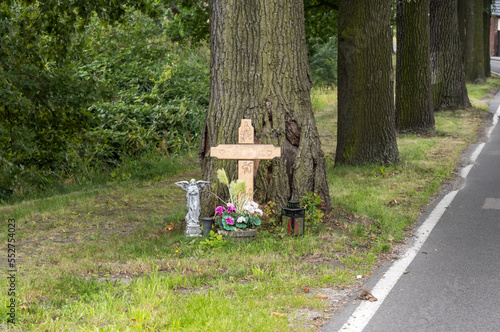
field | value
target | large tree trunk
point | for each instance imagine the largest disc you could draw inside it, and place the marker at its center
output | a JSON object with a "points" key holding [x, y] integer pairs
{"points": [[366, 121], [414, 111], [486, 36], [259, 71], [474, 48], [447, 72]]}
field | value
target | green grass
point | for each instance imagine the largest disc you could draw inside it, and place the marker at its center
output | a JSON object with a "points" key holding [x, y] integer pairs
{"points": [[100, 258]]}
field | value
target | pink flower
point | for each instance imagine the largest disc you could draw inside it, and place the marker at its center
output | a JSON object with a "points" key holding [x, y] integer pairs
{"points": [[229, 221], [219, 211], [230, 208]]}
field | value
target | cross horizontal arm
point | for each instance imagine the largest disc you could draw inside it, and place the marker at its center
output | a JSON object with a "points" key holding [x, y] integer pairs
{"points": [[245, 152]]}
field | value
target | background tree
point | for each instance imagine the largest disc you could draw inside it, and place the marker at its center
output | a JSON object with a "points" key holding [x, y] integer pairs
{"points": [[414, 110], [486, 36], [259, 71], [474, 41], [462, 14], [448, 76], [366, 116]]}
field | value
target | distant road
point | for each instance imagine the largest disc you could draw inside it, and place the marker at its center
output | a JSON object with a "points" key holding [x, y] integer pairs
{"points": [[495, 66]]}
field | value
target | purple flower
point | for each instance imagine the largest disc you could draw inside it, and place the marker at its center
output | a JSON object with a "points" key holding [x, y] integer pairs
{"points": [[219, 211], [231, 208], [229, 221]]}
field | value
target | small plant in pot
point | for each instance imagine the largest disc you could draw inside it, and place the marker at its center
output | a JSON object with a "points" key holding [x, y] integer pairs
{"points": [[239, 213]]}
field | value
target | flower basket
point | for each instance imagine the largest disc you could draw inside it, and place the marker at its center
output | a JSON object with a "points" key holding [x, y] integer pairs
{"points": [[239, 235], [240, 215]]}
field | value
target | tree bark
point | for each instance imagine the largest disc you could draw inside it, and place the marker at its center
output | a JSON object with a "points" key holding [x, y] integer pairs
{"points": [[414, 110], [447, 72], [474, 48], [259, 71], [461, 13], [366, 119], [486, 36]]}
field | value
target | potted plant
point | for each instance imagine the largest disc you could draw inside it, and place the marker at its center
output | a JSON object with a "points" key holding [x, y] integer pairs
{"points": [[240, 215]]}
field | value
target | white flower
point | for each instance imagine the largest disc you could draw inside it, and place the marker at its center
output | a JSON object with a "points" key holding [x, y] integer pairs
{"points": [[249, 209], [241, 220], [253, 204], [259, 212]]}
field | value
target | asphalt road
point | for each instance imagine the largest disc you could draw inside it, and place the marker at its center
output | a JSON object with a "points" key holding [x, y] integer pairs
{"points": [[453, 283], [495, 66]]}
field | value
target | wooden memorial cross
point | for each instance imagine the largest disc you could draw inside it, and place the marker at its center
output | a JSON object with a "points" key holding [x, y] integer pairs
{"points": [[246, 152]]}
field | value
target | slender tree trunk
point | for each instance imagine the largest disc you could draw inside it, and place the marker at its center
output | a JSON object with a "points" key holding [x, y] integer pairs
{"points": [[474, 48], [486, 36], [414, 111], [259, 71], [447, 72], [366, 121]]}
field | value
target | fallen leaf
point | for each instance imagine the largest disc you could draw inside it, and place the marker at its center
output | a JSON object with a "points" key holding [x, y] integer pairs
{"points": [[133, 319], [300, 297], [321, 296], [306, 290], [277, 314], [318, 325], [366, 295], [169, 227], [392, 187]]}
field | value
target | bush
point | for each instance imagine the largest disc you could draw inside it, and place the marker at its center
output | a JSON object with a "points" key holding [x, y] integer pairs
{"points": [[123, 91], [323, 62], [188, 74]]}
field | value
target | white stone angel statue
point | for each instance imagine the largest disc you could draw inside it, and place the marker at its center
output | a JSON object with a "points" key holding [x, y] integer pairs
{"points": [[193, 204]]}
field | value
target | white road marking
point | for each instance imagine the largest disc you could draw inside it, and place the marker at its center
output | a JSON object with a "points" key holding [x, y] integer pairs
{"points": [[465, 171], [492, 203], [495, 122], [362, 315], [476, 152]]}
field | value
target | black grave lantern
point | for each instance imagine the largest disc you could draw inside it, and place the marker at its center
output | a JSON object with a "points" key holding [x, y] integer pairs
{"points": [[295, 218]]}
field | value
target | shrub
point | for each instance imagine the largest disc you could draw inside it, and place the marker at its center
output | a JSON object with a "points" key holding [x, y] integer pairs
{"points": [[323, 62]]}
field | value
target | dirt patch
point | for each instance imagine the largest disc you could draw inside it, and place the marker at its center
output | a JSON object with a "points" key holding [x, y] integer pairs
{"points": [[319, 259], [336, 298]]}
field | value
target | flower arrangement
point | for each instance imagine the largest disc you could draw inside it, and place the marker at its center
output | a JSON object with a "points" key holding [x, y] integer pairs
{"points": [[240, 212]]}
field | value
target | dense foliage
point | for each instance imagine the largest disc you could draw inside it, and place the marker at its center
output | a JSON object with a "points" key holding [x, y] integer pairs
{"points": [[81, 93]]}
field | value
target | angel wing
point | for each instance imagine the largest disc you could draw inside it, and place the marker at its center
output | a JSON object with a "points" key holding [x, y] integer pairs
{"points": [[202, 184], [183, 184]]}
